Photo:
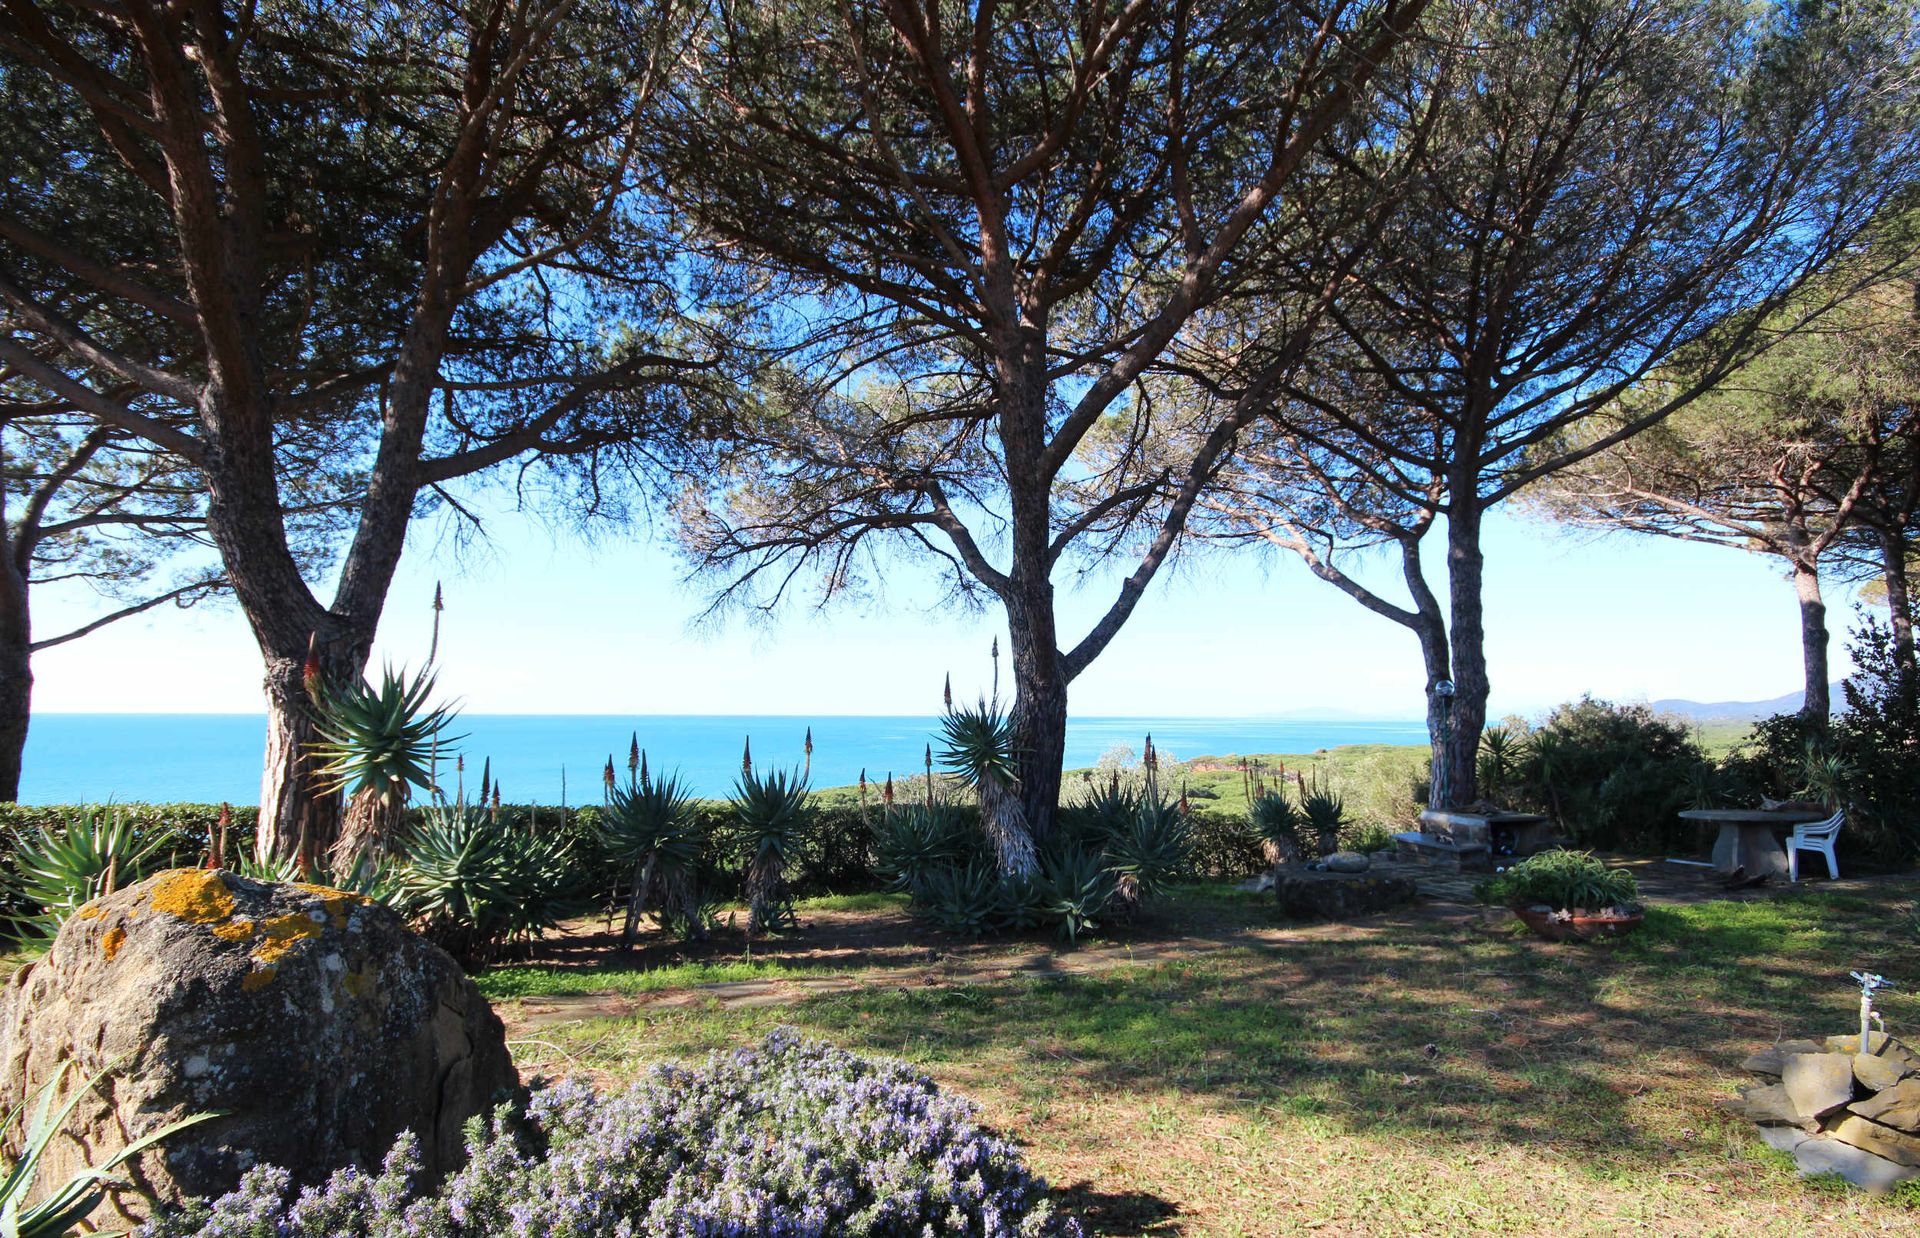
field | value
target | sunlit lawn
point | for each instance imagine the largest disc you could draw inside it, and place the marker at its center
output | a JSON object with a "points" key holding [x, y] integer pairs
{"points": [[1423, 1075]]}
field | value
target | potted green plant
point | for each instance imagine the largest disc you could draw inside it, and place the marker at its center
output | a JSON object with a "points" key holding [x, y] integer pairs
{"points": [[1567, 896]]}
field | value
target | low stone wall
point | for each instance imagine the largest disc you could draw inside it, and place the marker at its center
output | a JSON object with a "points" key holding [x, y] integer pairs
{"points": [[1838, 1110]]}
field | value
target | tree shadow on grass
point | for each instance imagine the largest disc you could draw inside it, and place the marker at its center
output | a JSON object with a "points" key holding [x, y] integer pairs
{"points": [[1122, 1213]]}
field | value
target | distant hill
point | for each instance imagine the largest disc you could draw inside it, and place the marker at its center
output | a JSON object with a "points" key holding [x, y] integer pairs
{"points": [[1740, 711]]}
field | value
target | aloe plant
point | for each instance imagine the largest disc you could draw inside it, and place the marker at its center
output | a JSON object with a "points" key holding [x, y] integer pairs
{"points": [[649, 827], [377, 744], [56, 870], [769, 813], [68, 1204], [1278, 824], [978, 747], [1149, 854], [476, 886], [1325, 812]]}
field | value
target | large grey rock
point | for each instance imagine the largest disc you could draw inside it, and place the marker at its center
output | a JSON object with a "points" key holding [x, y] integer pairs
{"points": [[1338, 896], [1856, 1165], [1818, 1083], [1347, 862], [316, 1020], [1898, 1105]]}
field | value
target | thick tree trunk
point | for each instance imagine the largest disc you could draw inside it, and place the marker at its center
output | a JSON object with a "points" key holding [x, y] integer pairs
{"points": [[1466, 570], [298, 821], [1432, 632], [16, 700], [1039, 715], [1813, 642], [1893, 559]]}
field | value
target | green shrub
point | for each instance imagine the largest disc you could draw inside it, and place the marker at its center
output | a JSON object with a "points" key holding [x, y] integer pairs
{"points": [[1561, 880], [1611, 776]]}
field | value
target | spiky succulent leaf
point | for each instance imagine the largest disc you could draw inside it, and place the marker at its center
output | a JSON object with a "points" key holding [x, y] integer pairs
{"points": [[58, 869], [654, 818], [380, 740], [977, 745]]}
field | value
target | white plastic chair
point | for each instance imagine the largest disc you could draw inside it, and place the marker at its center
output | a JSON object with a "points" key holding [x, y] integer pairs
{"points": [[1816, 837]]}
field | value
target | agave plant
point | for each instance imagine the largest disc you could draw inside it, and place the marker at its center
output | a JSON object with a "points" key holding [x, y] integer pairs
{"points": [[377, 744], [910, 844], [476, 887], [1325, 813], [964, 899], [1278, 824], [1102, 811], [1077, 889], [769, 812], [978, 747], [649, 826], [56, 870], [1149, 855], [68, 1204]]}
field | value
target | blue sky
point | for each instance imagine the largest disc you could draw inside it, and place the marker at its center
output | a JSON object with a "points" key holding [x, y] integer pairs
{"points": [[539, 622]]}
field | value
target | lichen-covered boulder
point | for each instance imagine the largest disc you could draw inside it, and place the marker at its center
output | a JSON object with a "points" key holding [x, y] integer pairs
{"points": [[316, 1020]]}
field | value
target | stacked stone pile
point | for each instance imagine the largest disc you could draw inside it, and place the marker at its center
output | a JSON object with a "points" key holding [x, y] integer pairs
{"points": [[1838, 1110]]}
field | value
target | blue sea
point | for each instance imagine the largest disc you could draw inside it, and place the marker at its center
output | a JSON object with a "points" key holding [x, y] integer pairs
{"points": [[207, 758]]}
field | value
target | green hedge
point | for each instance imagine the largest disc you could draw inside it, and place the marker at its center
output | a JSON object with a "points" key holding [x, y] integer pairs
{"points": [[835, 855]]}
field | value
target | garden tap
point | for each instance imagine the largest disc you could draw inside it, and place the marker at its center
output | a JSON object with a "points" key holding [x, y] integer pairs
{"points": [[1870, 983]]}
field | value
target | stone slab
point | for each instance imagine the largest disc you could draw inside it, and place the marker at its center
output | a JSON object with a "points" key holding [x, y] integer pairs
{"points": [[1879, 1074], [1818, 1083], [1898, 1105], [1860, 1167], [1896, 1146], [1772, 1059], [1783, 1138], [1768, 1102]]}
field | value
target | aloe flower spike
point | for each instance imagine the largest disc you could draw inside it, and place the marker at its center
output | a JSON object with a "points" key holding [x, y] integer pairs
{"points": [[633, 755], [946, 693], [645, 783], [746, 758]]}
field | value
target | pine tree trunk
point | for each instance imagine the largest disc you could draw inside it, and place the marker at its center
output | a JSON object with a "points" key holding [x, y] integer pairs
{"points": [[1466, 570], [1893, 560], [1432, 632], [298, 821], [16, 708], [1039, 724], [1813, 642]]}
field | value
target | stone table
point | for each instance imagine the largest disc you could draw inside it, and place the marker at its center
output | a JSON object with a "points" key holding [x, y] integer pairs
{"points": [[1748, 839]]}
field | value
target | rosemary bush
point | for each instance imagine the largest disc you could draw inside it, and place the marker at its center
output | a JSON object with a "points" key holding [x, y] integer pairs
{"points": [[794, 1137]]}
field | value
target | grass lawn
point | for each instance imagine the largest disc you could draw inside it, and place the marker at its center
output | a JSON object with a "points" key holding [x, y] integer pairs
{"points": [[1224, 1072]]}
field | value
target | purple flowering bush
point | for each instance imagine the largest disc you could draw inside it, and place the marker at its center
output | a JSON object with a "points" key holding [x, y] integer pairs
{"points": [[794, 1137]]}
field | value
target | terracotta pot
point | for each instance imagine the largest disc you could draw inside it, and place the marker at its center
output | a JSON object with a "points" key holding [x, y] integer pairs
{"points": [[1584, 926]]}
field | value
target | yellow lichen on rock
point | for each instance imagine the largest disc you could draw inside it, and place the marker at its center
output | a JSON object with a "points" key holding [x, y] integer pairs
{"points": [[112, 940], [254, 981], [196, 895], [237, 929], [88, 911], [282, 933], [359, 983]]}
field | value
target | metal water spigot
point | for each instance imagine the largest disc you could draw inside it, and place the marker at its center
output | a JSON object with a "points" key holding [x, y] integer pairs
{"points": [[1870, 983]]}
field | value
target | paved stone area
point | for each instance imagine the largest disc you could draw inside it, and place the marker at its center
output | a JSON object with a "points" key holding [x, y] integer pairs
{"points": [[1661, 881]]}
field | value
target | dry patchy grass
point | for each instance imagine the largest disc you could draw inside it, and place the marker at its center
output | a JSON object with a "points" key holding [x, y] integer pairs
{"points": [[1420, 1074]]}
